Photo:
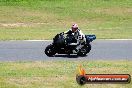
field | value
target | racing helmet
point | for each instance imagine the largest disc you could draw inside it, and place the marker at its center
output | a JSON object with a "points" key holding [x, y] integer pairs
{"points": [[74, 27]]}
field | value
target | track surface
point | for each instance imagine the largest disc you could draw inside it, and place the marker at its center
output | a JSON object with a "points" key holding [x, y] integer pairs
{"points": [[34, 50]]}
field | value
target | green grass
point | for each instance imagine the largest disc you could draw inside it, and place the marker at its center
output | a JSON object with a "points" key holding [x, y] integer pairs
{"points": [[58, 73], [42, 19]]}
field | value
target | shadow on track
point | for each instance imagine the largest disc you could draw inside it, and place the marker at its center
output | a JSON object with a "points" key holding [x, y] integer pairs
{"points": [[68, 56]]}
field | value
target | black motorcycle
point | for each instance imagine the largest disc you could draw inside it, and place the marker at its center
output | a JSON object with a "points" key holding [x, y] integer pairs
{"points": [[62, 45]]}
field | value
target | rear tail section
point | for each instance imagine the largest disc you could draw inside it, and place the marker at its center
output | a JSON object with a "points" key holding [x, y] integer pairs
{"points": [[90, 38]]}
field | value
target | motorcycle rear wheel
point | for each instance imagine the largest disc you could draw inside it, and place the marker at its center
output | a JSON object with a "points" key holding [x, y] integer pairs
{"points": [[84, 50]]}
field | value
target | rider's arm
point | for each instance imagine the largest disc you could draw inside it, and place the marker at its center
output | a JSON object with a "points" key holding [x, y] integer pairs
{"points": [[66, 32]]}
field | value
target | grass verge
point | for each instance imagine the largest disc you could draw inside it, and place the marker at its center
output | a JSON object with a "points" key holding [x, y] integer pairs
{"points": [[42, 19], [58, 74]]}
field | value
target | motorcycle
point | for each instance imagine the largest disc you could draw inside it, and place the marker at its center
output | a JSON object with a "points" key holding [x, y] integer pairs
{"points": [[62, 45]]}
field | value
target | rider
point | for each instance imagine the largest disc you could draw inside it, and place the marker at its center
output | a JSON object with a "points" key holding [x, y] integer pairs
{"points": [[79, 36]]}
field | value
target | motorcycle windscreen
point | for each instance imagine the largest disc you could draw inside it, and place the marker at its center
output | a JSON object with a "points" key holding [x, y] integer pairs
{"points": [[59, 40]]}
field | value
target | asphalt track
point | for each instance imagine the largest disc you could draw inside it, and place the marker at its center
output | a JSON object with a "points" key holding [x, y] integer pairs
{"points": [[34, 51]]}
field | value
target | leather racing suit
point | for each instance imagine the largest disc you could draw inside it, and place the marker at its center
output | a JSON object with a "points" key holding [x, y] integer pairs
{"points": [[80, 37]]}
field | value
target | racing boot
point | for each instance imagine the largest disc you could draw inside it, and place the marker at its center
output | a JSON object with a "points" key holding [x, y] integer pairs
{"points": [[75, 51]]}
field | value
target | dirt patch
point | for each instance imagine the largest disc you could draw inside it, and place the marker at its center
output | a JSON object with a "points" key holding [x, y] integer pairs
{"points": [[114, 11], [19, 24]]}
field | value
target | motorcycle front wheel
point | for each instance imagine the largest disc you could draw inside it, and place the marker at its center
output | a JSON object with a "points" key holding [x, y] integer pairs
{"points": [[50, 51]]}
